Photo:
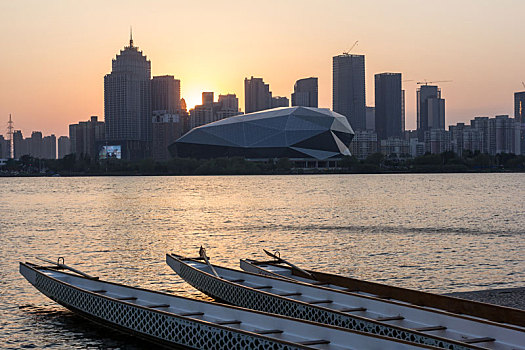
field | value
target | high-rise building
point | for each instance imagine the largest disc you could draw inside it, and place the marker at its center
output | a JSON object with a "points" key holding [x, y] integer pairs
{"points": [[430, 110], [209, 111], [349, 89], [370, 118], [437, 141], [127, 103], [305, 93], [165, 94], [228, 106], [257, 95], [35, 145], [363, 144], [485, 128], [49, 147], [519, 115], [64, 146], [87, 137], [166, 129], [279, 101], [389, 106], [20, 145], [496, 135], [5, 148]]}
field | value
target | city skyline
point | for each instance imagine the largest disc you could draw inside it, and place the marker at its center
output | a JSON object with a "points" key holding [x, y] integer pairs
{"points": [[63, 45]]}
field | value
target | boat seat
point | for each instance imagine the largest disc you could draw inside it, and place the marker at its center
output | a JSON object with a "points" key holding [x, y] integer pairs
{"points": [[326, 301], [263, 287], [320, 283], [430, 328], [228, 322], [268, 331], [477, 340], [186, 314], [157, 306], [98, 291], [352, 309], [390, 318], [127, 298], [290, 294], [314, 342]]}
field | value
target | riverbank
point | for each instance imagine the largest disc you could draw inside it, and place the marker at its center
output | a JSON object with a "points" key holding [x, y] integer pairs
{"points": [[510, 297], [377, 163]]}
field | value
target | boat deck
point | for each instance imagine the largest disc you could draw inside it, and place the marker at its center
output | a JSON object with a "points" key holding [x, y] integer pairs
{"points": [[303, 334], [468, 330]]}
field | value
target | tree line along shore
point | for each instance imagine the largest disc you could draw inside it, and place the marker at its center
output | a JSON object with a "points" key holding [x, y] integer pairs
{"points": [[377, 163]]}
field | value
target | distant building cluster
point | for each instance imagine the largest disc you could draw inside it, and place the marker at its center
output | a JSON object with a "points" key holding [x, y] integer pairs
{"points": [[382, 128], [144, 115], [484, 135], [35, 146]]}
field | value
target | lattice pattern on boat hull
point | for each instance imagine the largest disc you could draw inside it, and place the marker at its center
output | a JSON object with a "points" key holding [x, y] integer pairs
{"points": [[253, 299], [151, 323]]}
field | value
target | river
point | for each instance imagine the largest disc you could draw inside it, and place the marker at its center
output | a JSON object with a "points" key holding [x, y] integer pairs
{"points": [[433, 232]]}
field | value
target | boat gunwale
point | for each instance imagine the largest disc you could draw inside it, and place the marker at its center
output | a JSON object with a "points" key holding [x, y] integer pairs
{"points": [[399, 328], [207, 323], [396, 300], [37, 269]]}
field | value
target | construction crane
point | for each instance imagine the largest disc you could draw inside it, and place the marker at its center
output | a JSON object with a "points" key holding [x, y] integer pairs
{"points": [[522, 83], [425, 82], [351, 48], [407, 80]]}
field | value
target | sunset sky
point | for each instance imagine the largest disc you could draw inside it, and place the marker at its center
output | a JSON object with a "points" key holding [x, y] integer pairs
{"points": [[54, 54]]}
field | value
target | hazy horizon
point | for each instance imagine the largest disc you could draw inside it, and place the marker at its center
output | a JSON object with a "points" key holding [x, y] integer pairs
{"points": [[55, 54]]}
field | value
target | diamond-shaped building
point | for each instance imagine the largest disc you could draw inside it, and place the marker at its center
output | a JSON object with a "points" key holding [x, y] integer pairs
{"points": [[295, 133]]}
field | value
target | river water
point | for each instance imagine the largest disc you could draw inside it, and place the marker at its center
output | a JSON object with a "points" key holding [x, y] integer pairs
{"points": [[434, 232]]}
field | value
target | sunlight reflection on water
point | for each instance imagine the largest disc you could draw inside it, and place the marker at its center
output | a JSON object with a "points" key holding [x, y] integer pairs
{"points": [[439, 233]]}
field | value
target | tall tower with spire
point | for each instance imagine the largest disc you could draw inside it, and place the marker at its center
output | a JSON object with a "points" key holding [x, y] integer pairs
{"points": [[127, 103]]}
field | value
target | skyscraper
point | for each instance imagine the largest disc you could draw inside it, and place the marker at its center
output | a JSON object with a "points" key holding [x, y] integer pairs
{"points": [[388, 108], [127, 103], [349, 89], [257, 95], [20, 145], [430, 110], [165, 94], [305, 93], [519, 114], [85, 137], [64, 146], [49, 147], [35, 145]]}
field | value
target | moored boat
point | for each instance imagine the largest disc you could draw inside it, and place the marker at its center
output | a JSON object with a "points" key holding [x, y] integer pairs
{"points": [[281, 268], [173, 321], [364, 313]]}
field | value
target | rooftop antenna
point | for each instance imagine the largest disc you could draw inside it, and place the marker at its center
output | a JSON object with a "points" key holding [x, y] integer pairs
{"points": [[10, 135], [351, 48], [130, 36]]}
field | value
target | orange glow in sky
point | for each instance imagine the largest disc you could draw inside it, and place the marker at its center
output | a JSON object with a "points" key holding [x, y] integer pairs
{"points": [[55, 53]]}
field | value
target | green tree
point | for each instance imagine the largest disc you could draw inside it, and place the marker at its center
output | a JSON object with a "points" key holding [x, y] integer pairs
{"points": [[375, 159]]}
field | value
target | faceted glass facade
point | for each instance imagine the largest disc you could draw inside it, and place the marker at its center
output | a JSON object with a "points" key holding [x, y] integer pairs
{"points": [[295, 132]]}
